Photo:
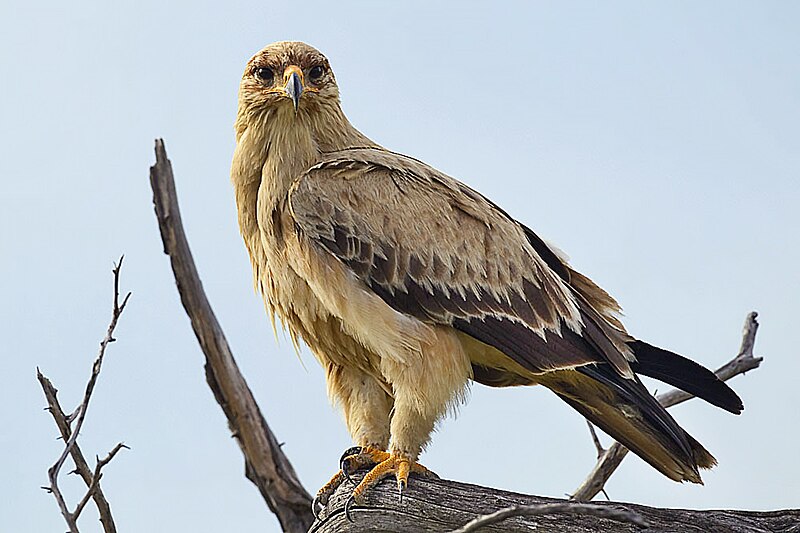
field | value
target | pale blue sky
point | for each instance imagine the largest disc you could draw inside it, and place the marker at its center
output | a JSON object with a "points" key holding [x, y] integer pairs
{"points": [[658, 145]]}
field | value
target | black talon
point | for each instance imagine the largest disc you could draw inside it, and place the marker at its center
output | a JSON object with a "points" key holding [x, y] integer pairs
{"points": [[346, 473], [316, 507], [353, 450], [350, 501], [349, 452]]}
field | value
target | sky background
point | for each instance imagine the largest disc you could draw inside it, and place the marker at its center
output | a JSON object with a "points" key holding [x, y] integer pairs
{"points": [[658, 145]]}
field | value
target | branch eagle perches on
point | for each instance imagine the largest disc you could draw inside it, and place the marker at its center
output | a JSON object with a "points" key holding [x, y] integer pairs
{"points": [[437, 505]]}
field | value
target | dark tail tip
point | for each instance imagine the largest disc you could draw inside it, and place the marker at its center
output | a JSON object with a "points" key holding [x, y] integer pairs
{"points": [[684, 374]]}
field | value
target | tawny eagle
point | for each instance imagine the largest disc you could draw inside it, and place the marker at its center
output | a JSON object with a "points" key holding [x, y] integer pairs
{"points": [[407, 284]]}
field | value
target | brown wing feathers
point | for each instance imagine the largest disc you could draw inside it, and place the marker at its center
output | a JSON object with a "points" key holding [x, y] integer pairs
{"points": [[434, 249], [423, 244], [649, 360]]}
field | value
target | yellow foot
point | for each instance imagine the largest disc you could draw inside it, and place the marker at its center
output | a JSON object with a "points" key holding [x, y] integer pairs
{"points": [[324, 494], [386, 464], [358, 457], [352, 459], [393, 463]]}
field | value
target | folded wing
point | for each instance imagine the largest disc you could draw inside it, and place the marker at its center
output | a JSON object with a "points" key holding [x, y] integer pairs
{"points": [[433, 248]]}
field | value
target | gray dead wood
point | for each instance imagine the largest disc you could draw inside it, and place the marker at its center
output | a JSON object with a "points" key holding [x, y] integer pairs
{"points": [[70, 433], [439, 506], [265, 464]]}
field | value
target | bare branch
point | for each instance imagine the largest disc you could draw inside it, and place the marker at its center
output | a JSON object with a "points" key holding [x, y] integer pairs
{"points": [[596, 440], [608, 462], [70, 435], [265, 464], [95, 484], [600, 511], [435, 505]]}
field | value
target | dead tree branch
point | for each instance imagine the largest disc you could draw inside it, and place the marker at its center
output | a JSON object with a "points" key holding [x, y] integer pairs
{"points": [[610, 459], [70, 434], [436, 505], [265, 463], [95, 484]]}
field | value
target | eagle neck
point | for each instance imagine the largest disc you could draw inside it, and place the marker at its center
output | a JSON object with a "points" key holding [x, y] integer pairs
{"points": [[274, 147], [281, 145]]}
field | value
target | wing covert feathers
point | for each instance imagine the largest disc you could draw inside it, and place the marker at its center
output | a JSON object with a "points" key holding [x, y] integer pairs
{"points": [[435, 249]]}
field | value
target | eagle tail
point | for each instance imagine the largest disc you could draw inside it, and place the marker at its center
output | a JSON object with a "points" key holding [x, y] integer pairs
{"points": [[625, 410], [684, 374]]}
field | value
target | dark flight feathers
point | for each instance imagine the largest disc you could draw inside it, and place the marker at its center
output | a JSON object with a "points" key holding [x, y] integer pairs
{"points": [[684, 374]]}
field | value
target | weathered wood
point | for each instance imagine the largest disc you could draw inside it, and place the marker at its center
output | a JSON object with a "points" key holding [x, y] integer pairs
{"points": [[437, 506], [265, 463], [70, 433]]}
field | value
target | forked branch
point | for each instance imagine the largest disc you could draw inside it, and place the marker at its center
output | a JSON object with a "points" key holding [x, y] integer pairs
{"points": [[70, 434]]}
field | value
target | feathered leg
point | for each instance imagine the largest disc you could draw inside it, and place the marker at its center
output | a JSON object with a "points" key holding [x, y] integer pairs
{"points": [[424, 388], [366, 406]]}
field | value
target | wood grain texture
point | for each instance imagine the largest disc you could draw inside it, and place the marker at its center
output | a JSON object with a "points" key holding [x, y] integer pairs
{"points": [[437, 506]]}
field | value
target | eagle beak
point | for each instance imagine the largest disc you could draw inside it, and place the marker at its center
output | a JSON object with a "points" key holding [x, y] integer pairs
{"points": [[293, 79]]}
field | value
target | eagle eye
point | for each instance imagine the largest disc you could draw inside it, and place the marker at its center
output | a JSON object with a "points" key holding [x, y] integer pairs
{"points": [[316, 72], [264, 74]]}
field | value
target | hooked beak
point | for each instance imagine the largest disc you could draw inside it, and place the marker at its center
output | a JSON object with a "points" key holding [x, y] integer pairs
{"points": [[293, 79]]}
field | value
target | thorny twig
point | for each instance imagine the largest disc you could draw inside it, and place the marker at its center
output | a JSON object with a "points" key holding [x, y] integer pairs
{"points": [[611, 458], [70, 434], [93, 486]]}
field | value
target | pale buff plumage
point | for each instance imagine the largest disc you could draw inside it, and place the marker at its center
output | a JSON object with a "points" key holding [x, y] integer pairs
{"points": [[406, 284], [351, 332]]}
